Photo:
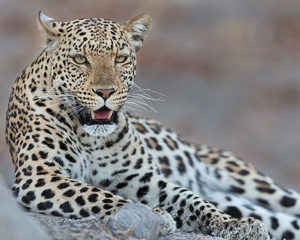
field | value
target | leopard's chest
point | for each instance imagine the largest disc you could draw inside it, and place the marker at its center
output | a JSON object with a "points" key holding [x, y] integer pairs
{"points": [[104, 166]]}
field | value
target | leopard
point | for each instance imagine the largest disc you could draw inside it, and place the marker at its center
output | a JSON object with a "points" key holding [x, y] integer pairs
{"points": [[78, 153]]}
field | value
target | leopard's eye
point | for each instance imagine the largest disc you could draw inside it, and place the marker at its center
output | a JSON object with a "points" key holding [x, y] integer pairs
{"points": [[79, 59], [120, 59]]}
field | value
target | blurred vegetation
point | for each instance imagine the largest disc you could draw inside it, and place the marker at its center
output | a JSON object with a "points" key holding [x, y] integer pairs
{"points": [[229, 70]]}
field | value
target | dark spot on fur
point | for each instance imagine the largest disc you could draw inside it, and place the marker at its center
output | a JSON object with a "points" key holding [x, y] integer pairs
{"points": [[80, 201], [69, 193], [175, 198], [95, 209], [288, 235], [262, 202], [105, 183], [266, 190], [70, 158], [43, 154], [287, 201], [93, 198], [56, 214], [138, 163], [84, 189], [244, 172], [142, 191], [255, 216], [162, 184], [84, 213], [66, 207], [47, 194], [146, 178], [234, 212], [30, 196], [121, 185], [237, 190], [178, 222], [44, 205], [295, 224], [274, 223], [162, 197], [130, 177], [63, 185]]}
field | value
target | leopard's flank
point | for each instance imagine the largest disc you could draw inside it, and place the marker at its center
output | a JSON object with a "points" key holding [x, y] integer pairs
{"points": [[78, 153]]}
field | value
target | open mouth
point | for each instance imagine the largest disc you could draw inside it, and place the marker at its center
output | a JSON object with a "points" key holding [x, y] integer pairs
{"points": [[101, 116]]}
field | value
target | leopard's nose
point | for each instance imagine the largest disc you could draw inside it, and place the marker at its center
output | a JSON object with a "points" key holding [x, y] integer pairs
{"points": [[104, 93]]}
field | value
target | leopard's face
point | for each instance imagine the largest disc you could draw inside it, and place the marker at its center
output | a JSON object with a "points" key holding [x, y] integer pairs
{"points": [[94, 63], [98, 72]]}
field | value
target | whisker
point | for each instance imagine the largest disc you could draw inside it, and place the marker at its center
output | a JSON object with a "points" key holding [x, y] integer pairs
{"points": [[141, 99], [132, 109], [142, 105], [145, 89], [76, 110]]}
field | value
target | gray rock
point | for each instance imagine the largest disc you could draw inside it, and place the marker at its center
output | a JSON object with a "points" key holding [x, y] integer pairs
{"points": [[138, 219], [14, 223], [89, 228]]}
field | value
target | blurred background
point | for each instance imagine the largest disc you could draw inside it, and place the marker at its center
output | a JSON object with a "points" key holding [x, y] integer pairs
{"points": [[229, 70]]}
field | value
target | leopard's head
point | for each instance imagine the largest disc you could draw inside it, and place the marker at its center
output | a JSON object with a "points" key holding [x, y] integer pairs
{"points": [[93, 60]]}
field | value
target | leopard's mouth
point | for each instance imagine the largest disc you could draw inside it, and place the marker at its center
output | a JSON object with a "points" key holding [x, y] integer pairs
{"points": [[101, 116]]}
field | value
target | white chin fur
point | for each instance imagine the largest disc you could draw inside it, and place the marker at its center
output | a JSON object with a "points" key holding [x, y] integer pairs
{"points": [[100, 130]]}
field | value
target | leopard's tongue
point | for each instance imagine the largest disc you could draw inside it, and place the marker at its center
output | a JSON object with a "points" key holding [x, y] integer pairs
{"points": [[101, 114]]}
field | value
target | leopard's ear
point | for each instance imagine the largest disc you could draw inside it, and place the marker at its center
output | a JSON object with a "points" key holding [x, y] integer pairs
{"points": [[51, 29], [137, 29]]}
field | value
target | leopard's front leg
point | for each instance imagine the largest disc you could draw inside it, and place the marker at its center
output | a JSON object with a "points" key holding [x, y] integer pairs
{"points": [[193, 213], [49, 192]]}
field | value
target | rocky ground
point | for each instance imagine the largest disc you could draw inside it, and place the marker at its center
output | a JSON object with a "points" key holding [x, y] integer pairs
{"points": [[18, 225], [91, 228]]}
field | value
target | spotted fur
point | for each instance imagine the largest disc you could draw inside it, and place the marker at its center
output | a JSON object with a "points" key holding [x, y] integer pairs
{"points": [[72, 160]]}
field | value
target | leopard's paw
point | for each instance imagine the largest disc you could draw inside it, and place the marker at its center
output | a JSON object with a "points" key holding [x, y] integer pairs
{"points": [[255, 229], [169, 223], [244, 229]]}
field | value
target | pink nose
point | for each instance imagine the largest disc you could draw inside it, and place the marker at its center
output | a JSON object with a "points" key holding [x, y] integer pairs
{"points": [[105, 93]]}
